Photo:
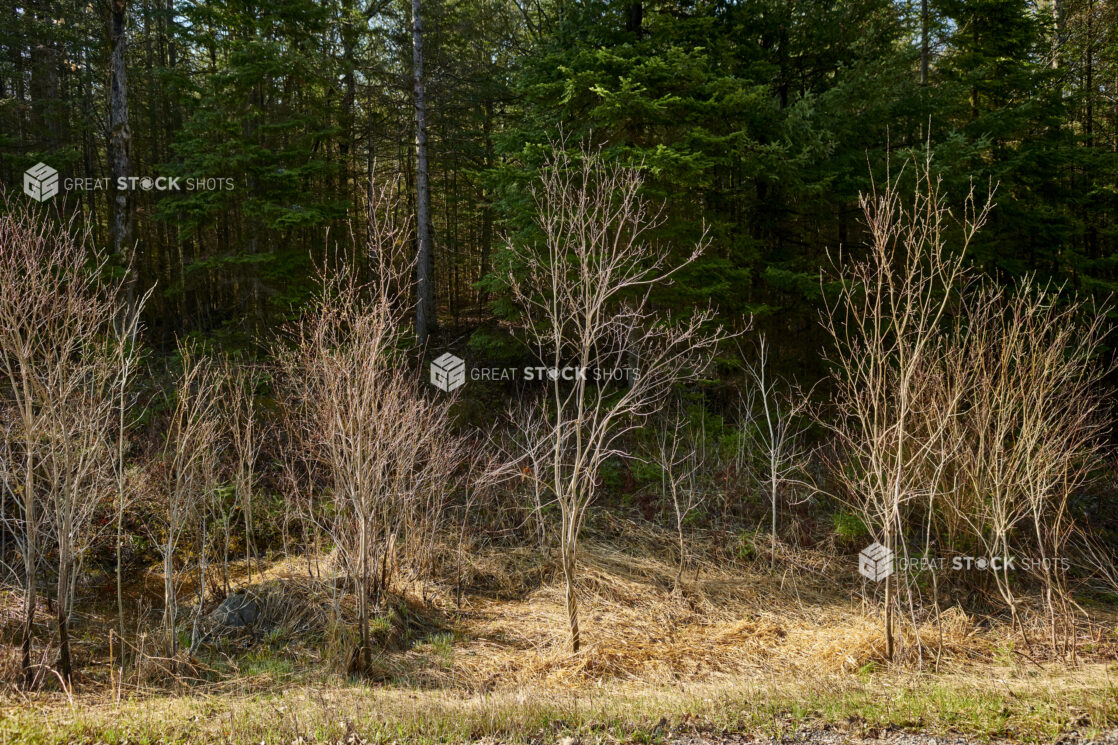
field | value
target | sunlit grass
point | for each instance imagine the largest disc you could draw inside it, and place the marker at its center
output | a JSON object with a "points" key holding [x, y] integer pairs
{"points": [[1032, 705]]}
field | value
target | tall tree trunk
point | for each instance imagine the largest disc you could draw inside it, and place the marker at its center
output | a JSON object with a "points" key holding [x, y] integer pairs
{"points": [[1089, 73], [1058, 33], [924, 46], [120, 135], [425, 288], [634, 21], [120, 165], [348, 147], [46, 106], [487, 208], [15, 56]]}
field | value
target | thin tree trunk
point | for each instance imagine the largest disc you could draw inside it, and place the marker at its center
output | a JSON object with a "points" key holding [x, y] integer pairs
{"points": [[487, 207], [363, 602], [30, 561], [195, 637], [169, 602], [890, 592], [1058, 36], [682, 549], [569, 569], [120, 502], [28, 624], [889, 618], [772, 494], [63, 603]]}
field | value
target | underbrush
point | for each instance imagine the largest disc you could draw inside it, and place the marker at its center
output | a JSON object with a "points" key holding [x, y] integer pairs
{"points": [[736, 644]]}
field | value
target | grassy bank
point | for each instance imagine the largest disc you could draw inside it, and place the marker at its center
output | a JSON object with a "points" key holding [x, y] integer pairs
{"points": [[740, 649], [1034, 704]]}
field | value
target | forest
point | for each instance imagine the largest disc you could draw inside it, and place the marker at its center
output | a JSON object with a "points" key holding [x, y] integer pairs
{"points": [[619, 371]]}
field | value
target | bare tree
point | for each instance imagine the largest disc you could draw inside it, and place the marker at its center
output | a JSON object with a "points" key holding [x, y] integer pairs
{"points": [[127, 360], [77, 457], [62, 356], [518, 461], [978, 405], [887, 349], [378, 443], [242, 427], [187, 466], [1031, 430], [679, 461], [585, 295], [781, 437]]}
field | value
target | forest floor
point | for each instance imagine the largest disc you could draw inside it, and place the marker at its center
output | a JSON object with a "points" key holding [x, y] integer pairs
{"points": [[739, 652]]}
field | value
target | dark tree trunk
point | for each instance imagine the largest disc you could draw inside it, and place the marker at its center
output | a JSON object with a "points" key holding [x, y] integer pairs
{"points": [[924, 46], [64, 664], [634, 21]]}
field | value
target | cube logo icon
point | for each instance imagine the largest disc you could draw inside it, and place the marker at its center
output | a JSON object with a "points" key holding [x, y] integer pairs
{"points": [[40, 182], [875, 562], [448, 372]]}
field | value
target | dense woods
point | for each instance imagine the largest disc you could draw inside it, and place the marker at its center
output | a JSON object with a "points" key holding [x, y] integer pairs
{"points": [[846, 268], [761, 121]]}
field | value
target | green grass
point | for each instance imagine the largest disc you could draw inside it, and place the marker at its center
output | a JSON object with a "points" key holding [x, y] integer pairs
{"points": [[265, 664], [1031, 706]]}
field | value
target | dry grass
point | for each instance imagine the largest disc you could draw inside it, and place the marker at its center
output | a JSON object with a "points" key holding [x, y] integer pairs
{"points": [[738, 647], [1033, 705], [732, 619]]}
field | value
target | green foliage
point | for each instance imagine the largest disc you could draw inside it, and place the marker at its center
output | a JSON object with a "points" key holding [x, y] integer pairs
{"points": [[750, 122], [496, 346], [747, 546], [613, 474], [849, 526]]}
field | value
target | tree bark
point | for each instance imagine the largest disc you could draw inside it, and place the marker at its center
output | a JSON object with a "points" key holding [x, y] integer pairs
{"points": [[924, 46], [365, 655], [31, 545], [169, 601], [63, 602], [889, 593], [569, 571], [28, 608], [425, 305], [120, 134]]}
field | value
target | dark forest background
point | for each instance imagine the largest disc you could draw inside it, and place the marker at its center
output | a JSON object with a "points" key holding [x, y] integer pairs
{"points": [[760, 120]]}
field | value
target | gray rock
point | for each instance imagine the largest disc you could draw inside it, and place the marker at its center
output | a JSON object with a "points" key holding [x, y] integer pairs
{"points": [[236, 611]]}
